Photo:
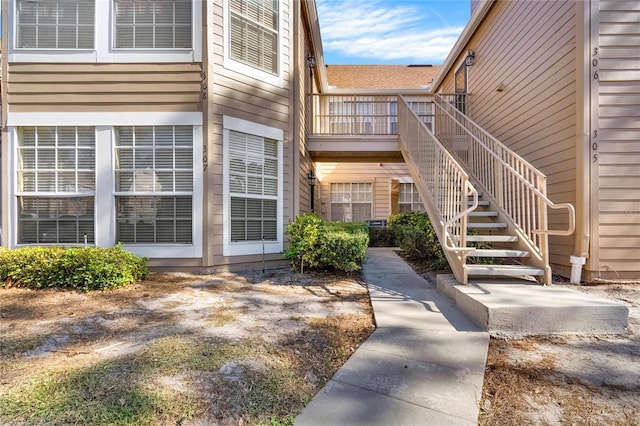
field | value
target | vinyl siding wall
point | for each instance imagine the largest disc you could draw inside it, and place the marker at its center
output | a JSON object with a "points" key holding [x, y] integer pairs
{"points": [[616, 219], [104, 87], [302, 109], [232, 93], [529, 50], [379, 175]]}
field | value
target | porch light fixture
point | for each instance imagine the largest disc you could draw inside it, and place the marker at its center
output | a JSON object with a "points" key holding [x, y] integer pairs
{"points": [[311, 176], [471, 55], [311, 61]]}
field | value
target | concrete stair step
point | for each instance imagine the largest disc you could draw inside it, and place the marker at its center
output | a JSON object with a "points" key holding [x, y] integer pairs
{"points": [[487, 225], [504, 270], [499, 253]]}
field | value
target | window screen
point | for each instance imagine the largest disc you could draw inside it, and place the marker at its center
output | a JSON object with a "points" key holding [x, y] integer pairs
{"points": [[351, 202], [55, 24], [409, 198], [55, 185], [253, 187], [253, 33], [153, 24], [154, 184]]}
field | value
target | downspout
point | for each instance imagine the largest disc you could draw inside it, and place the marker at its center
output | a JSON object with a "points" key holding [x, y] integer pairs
{"points": [[583, 142]]}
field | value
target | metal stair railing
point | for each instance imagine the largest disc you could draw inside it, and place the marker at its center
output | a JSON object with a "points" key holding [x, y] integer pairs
{"points": [[442, 183], [517, 187]]}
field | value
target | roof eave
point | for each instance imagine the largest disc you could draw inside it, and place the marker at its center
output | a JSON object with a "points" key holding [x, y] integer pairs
{"points": [[464, 38]]}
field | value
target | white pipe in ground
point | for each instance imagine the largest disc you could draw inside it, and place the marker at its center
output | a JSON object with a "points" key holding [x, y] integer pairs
{"points": [[576, 268]]}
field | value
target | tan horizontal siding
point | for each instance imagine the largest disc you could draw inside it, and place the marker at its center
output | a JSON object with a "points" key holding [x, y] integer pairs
{"points": [[617, 172], [381, 197], [231, 93], [378, 174], [104, 87], [528, 50]]}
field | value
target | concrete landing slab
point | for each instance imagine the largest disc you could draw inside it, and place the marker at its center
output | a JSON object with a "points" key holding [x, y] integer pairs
{"points": [[517, 308]]}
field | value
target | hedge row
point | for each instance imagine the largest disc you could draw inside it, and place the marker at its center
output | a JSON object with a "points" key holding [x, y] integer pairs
{"points": [[319, 244], [86, 268]]}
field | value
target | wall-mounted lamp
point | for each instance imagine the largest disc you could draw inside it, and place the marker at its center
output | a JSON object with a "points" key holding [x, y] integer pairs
{"points": [[311, 177], [311, 61], [471, 56]]}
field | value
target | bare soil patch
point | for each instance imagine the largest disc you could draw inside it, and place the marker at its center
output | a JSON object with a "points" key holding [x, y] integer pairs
{"points": [[567, 380], [177, 349]]}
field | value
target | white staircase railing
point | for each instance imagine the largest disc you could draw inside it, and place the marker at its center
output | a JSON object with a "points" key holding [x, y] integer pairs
{"points": [[443, 184], [518, 189]]}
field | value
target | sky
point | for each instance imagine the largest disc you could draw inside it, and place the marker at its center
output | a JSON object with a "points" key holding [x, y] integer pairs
{"points": [[390, 31]]}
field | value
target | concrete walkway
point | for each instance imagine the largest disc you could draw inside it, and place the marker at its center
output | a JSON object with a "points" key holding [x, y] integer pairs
{"points": [[424, 364]]}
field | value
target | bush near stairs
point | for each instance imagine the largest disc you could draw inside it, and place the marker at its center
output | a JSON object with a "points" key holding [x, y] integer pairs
{"points": [[318, 244], [417, 239]]}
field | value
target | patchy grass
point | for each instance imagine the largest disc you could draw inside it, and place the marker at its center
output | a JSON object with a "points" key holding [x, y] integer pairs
{"points": [[178, 350]]}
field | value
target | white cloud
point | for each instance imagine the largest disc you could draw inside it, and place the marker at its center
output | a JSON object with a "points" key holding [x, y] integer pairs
{"points": [[385, 31]]}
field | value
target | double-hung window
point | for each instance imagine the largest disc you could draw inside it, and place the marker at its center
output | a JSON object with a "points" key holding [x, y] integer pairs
{"points": [[107, 180], [55, 185], [154, 184], [153, 24], [253, 33], [55, 24], [253, 187], [253, 191], [409, 199], [105, 31], [351, 202]]}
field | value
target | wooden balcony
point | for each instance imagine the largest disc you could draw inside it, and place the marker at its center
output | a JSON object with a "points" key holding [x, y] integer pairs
{"points": [[360, 128]]}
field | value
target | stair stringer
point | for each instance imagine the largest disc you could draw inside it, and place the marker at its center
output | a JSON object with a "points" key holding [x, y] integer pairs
{"points": [[456, 258]]}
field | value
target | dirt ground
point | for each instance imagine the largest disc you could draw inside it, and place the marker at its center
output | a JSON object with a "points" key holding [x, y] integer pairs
{"points": [[256, 348], [567, 380]]}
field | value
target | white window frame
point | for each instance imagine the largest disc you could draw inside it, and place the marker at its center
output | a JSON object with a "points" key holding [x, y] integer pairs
{"points": [[233, 65], [104, 50], [250, 247], [105, 123], [413, 202], [57, 193], [351, 202]]}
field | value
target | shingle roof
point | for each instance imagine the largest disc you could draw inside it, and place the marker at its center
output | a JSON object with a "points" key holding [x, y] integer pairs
{"points": [[381, 76]]}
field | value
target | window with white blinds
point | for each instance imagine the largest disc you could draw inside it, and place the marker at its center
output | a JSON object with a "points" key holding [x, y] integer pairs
{"points": [[55, 24], [55, 191], [409, 199], [351, 202], [253, 187], [154, 184], [153, 24], [253, 33]]}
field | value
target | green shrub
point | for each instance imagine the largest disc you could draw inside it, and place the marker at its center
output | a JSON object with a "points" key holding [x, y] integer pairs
{"points": [[87, 268], [418, 240], [316, 243], [382, 237]]}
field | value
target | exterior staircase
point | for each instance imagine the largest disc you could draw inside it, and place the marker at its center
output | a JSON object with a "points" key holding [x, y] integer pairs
{"points": [[487, 205], [494, 251]]}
